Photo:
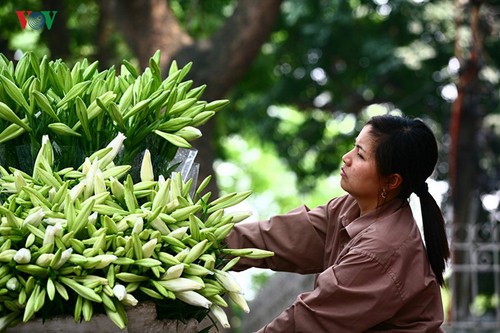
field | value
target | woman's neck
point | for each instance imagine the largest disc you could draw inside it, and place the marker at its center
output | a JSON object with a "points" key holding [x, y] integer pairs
{"points": [[366, 207]]}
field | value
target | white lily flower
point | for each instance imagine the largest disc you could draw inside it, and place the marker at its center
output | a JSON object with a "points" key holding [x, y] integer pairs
{"points": [[147, 212], [106, 260], [130, 300], [7, 255], [171, 204], [119, 291], [90, 178], [147, 173], [44, 259], [161, 180], [30, 240], [49, 235], [52, 194], [116, 188], [45, 151], [19, 180], [182, 255], [173, 272], [159, 225], [175, 190], [193, 298], [220, 315], [149, 247], [99, 185], [77, 190], [22, 256], [48, 150], [12, 284], [58, 229], [93, 218], [94, 281], [227, 281], [138, 225], [239, 300], [116, 145], [64, 257], [35, 217], [161, 196], [55, 220], [87, 164], [9, 188], [179, 232], [189, 133], [181, 284]]}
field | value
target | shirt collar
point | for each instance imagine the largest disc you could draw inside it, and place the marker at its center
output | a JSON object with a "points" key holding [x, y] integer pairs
{"points": [[354, 224]]}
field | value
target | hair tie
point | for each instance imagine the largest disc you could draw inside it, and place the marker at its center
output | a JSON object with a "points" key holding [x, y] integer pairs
{"points": [[422, 189]]}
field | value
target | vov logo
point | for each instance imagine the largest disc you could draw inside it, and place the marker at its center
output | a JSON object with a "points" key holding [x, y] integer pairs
{"points": [[36, 20]]}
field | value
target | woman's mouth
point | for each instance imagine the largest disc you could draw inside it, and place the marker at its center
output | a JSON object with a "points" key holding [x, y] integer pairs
{"points": [[342, 172]]}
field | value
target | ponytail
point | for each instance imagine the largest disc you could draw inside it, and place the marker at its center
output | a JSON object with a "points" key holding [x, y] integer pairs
{"points": [[436, 242]]}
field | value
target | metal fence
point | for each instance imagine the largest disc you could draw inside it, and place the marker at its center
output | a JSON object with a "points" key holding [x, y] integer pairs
{"points": [[476, 280]]}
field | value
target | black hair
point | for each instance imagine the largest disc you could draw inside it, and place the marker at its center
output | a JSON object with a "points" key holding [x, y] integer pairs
{"points": [[408, 147]]}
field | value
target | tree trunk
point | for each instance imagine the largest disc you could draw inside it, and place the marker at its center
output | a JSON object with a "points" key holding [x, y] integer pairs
{"points": [[59, 42], [148, 26], [219, 62], [466, 119], [105, 44]]}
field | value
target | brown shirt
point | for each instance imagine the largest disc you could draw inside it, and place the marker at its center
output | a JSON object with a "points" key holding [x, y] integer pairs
{"points": [[374, 275]]}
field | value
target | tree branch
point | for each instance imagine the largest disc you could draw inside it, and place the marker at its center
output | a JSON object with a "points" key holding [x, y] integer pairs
{"points": [[221, 61]]}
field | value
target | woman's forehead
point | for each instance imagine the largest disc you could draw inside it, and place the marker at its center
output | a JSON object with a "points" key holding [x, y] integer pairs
{"points": [[365, 139]]}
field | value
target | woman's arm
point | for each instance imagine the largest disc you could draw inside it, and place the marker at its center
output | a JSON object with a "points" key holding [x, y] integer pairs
{"points": [[296, 238]]}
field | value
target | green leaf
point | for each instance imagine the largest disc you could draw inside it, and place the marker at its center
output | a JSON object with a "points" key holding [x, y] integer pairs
{"points": [[14, 92]]}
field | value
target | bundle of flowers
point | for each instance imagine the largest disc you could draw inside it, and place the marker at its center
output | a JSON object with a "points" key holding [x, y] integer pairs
{"points": [[85, 224], [89, 240], [83, 109]]}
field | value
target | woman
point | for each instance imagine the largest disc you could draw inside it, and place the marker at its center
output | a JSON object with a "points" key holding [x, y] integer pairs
{"points": [[375, 274]]}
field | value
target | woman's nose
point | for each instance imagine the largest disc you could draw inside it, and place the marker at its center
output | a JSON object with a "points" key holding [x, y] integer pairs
{"points": [[346, 159]]}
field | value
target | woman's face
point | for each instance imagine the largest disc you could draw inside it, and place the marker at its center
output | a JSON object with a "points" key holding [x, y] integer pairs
{"points": [[359, 175]]}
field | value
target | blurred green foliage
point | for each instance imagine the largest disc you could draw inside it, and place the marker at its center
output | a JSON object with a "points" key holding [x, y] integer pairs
{"points": [[324, 62]]}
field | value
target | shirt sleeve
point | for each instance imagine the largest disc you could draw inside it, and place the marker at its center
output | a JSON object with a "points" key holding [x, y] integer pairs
{"points": [[352, 296], [296, 238]]}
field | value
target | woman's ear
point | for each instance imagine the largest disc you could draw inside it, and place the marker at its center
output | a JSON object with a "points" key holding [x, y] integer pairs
{"points": [[394, 181]]}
